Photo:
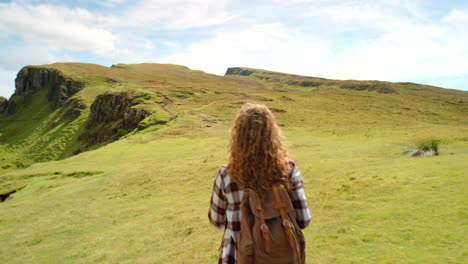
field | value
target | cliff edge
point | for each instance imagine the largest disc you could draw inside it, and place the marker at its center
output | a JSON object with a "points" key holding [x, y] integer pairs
{"points": [[31, 79]]}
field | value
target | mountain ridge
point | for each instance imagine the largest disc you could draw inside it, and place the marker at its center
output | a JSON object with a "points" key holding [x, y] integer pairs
{"points": [[96, 104], [370, 85], [71, 73]]}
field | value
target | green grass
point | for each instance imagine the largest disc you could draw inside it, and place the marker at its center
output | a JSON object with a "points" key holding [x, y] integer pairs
{"points": [[36, 133], [149, 202], [144, 198]]}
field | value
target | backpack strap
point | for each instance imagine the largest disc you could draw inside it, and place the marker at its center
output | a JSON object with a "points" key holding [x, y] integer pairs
{"points": [[288, 227], [263, 227]]}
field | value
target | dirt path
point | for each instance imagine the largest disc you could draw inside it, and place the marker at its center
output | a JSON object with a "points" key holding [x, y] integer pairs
{"points": [[165, 103]]}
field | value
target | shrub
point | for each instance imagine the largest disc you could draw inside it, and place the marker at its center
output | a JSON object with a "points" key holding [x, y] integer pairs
{"points": [[122, 132], [19, 164], [428, 144], [424, 147]]}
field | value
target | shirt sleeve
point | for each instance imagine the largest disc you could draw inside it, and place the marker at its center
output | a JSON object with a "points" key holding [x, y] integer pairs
{"points": [[217, 211], [298, 199]]}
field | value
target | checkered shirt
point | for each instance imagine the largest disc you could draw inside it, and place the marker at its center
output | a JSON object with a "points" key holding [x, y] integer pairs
{"points": [[225, 209]]}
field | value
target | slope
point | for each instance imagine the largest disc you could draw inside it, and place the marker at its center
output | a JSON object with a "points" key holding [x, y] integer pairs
{"points": [[144, 197]]}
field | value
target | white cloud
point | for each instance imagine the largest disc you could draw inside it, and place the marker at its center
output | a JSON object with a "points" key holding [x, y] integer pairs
{"points": [[291, 2], [173, 14], [7, 83], [268, 46], [12, 59], [408, 49], [55, 26], [79, 29], [402, 49], [134, 48], [111, 3], [346, 12], [457, 18], [171, 44]]}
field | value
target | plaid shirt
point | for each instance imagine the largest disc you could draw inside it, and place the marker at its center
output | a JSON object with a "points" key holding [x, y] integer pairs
{"points": [[225, 209]]}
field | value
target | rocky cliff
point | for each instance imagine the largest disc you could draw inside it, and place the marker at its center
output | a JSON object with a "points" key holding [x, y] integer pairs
{"points": [[238, 71], [32, 79], [111, 116], [7, 107]]}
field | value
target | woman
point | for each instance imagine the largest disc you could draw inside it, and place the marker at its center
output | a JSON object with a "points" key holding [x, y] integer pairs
{"points": [[258, 159]]}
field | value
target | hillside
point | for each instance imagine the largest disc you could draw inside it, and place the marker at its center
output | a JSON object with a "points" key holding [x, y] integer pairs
{"points": [[115, 164], [50, 115], [291, 81]]}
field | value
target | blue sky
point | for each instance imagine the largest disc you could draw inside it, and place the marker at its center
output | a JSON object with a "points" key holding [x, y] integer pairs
{"points": [[390, 40]]}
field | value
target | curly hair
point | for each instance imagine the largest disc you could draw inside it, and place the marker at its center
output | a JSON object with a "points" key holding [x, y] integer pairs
{"points": [[258, 157]]}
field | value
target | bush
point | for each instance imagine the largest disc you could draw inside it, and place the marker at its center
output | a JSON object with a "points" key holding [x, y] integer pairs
{"points": [[19, 164], [428, 145], [122, 132]]}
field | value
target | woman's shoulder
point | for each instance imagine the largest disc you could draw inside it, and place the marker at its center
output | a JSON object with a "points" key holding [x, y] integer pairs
{"points": [[290, 166], [229, 185], [295, 176], [222, 171], [224, 167]]}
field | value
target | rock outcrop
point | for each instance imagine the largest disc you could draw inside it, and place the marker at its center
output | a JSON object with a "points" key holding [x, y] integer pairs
{"points": [[7, 107], [108, 108], [32, 79], [238, 71], [377, 86], [114, 116], [3, 104], [73, 108], [421, 153]]}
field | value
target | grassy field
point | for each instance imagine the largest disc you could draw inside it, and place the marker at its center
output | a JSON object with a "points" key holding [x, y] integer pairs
{"points": [[144, 198]]}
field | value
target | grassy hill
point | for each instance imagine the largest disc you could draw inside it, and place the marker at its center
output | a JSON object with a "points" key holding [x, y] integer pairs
{"points": [[141, 195]]}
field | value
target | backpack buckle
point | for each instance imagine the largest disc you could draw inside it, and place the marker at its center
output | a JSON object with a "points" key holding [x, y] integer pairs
{"points": [[263, 227]]}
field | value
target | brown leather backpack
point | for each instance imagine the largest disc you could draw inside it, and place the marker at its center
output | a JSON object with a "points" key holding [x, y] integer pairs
{"points": [[269, 232]]}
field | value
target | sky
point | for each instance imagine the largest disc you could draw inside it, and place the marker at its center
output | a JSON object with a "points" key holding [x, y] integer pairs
{"points": [[421, 41]]}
